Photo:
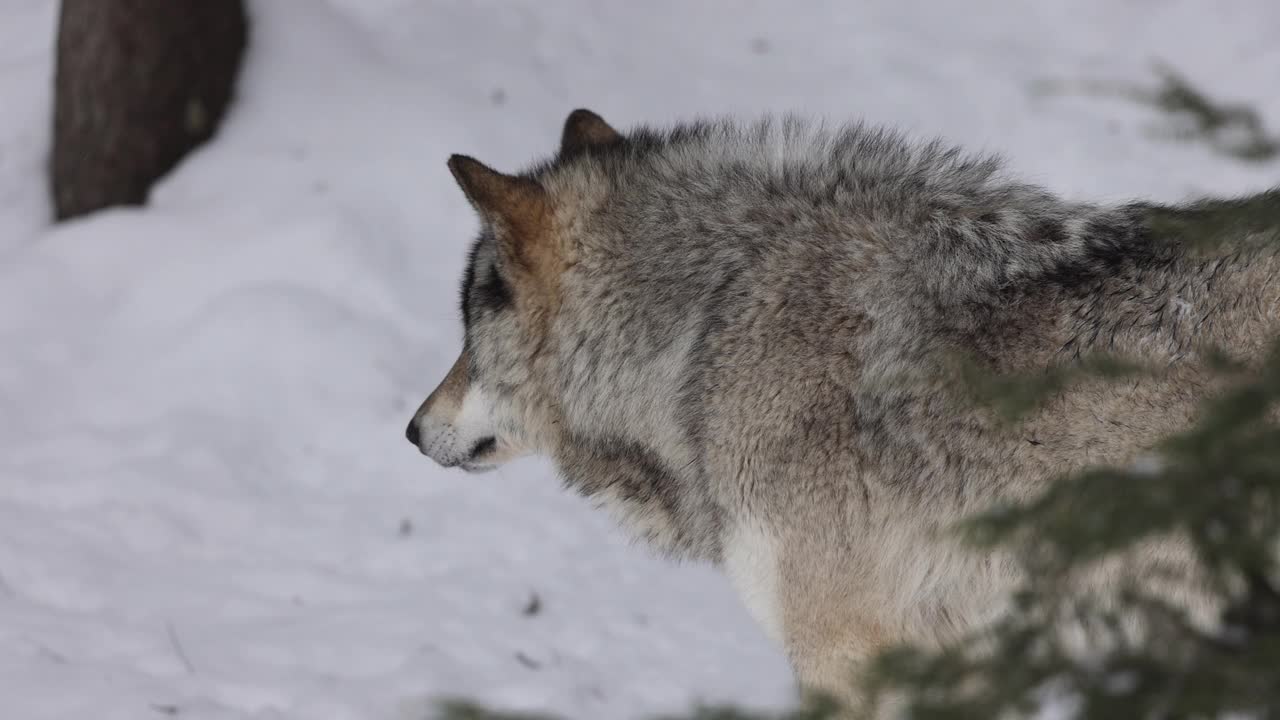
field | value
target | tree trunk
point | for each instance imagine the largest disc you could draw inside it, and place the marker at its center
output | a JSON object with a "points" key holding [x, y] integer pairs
{"points": [[139, 83]]}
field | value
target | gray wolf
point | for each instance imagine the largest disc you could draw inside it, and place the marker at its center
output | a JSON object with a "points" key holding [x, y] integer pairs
{"points": [[733, 337]]}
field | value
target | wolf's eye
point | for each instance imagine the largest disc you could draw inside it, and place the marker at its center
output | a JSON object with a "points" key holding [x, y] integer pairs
{"points": [[492, 291]]}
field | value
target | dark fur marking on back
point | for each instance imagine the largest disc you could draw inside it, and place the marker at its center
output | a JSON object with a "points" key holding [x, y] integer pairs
{"points": [[1111, 244]]}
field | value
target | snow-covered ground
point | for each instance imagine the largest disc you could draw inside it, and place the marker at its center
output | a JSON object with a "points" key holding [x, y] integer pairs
{"points": [[207, 506]]}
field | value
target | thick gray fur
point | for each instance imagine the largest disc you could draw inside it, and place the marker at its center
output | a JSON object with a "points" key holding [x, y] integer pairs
{"points": [[748, 356]]}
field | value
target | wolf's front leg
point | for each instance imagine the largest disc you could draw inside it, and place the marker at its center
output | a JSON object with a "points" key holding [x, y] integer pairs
{"points": [[830, 649], [807, 597]]}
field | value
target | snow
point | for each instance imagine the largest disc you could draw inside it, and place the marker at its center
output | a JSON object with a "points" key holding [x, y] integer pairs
{"points": [[207, 506]]}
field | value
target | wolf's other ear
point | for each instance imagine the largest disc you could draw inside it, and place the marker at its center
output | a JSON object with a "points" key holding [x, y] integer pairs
{"points": [[584, 129]]}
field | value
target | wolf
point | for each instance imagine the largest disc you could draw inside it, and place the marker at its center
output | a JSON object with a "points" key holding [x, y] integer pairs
{"points": [[736, 337]]}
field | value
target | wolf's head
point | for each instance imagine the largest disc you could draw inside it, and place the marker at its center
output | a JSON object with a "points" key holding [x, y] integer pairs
{"points": [[494, 404]]}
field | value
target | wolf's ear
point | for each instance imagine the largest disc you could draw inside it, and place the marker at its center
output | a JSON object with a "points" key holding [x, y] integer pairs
{"points": [[518, 204], [584, 129]]}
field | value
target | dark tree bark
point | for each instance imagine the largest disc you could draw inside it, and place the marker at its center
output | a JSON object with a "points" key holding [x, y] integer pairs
{"points": [[139, 83]]}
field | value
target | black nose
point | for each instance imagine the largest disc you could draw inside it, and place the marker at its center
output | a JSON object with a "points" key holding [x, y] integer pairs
{"points": [[411, 432]]}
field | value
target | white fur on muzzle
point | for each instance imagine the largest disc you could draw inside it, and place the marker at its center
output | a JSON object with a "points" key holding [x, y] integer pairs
{"points": [[461, 439]]}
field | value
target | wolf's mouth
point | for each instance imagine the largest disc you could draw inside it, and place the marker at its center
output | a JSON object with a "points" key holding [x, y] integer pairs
{"points": [[482, 447], [475, 457]]}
